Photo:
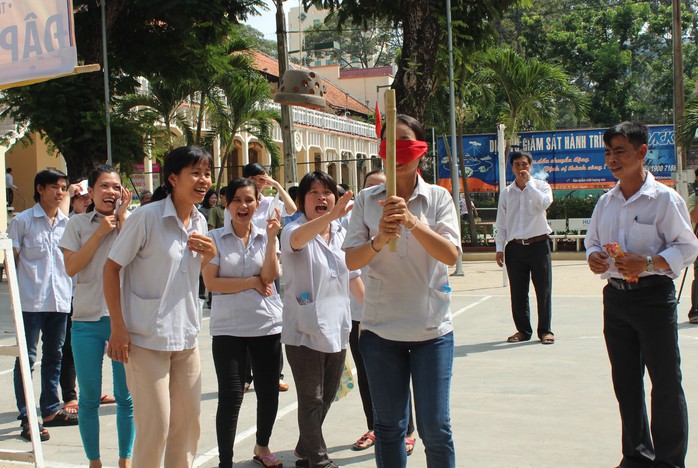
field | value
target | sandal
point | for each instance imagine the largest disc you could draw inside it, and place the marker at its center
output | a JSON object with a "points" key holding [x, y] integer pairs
{"points": [[27, 432], [517, 338], [62, 418], [409, 445], [71, 407], [268, 461], [548, 338], [107, 399], [366, 441]]}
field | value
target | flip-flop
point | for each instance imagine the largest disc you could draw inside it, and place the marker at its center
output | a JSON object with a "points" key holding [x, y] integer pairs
{"points": [[365, 442], [548, 339], [62, 418], [27, 433], [517, 337], [107, 399], [412, 442], [268, 461], [71, 407]]}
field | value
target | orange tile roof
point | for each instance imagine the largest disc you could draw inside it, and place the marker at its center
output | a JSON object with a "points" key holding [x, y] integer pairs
{"points": [[365, 72], [335, 96]]}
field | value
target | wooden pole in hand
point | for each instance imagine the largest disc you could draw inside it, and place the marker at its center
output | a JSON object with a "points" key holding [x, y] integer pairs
{"points": [[390, 183]]}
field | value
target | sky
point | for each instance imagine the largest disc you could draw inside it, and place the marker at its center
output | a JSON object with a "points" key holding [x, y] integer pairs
{"points": [[267, 22]]}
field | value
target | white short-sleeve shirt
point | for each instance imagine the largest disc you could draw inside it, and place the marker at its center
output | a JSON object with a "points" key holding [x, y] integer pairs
{"points": [[44, 285], [89, 304], [407, 292], [316, 300], [261, 214], [159, 294], [246, 313]]}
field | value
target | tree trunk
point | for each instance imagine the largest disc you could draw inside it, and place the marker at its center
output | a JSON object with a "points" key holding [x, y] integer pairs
{"points": [[414, 81], [78, 165]]}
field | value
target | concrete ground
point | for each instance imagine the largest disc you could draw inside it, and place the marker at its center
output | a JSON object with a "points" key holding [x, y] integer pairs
{"points": [[512, 405]]}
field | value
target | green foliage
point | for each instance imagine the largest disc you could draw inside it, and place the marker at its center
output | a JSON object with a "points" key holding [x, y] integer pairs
{"points": [[373, 45], [173, 40], [565, 208], [689, 126]]}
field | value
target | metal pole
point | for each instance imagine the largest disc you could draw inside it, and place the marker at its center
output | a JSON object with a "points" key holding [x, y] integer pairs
{"points": [[290, 175], [452, 104], [501, 148], [435, 155], [106, 79], [679, 104]]}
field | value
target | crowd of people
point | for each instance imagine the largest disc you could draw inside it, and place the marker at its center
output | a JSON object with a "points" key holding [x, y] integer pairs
{"points": [[369, 273]]}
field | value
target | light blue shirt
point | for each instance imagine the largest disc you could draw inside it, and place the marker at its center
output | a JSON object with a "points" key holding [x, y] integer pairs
{"points": [[316, 301], [654, 221], [407, 295], [245, 313], [44, 286], [159, 293], [89, 304]]}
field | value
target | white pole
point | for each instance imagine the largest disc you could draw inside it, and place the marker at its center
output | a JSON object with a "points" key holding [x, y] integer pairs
{"points": [[501, 148]]}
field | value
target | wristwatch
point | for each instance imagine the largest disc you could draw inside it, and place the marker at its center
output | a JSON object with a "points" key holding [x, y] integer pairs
{"points": [[650, 263]]}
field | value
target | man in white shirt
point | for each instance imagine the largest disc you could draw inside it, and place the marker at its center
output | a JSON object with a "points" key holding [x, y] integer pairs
{"points": [[10, 185], [692, 203], [651, 224], [45, 290], [522, 242]]}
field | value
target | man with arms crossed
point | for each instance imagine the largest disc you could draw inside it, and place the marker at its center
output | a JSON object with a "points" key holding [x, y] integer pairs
{"points": [[651, 225]]}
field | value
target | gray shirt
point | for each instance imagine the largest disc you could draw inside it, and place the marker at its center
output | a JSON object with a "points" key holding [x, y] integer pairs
{"points": [[159, 296], [89, 304]]}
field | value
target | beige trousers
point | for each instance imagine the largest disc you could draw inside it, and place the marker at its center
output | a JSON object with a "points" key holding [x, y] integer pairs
{"points": [[166, 390]]}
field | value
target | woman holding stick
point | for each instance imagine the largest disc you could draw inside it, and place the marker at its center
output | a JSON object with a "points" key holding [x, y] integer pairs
{"points": [[406, 325]]}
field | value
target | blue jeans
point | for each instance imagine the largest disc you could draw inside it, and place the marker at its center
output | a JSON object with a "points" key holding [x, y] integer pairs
{"points": [[89, 339], [51, 325], [389, 366]]}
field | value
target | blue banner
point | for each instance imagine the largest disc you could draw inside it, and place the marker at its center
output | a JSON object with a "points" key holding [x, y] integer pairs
{"points": [[568, 159]]}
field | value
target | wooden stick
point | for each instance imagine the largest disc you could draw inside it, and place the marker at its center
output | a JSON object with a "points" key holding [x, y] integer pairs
{"points": [[390, 182]]}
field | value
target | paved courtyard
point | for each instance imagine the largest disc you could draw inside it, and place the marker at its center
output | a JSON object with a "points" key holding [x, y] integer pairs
{"points": [[512, 405]]}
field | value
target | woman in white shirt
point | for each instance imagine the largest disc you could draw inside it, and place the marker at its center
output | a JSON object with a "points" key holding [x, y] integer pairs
{"points": [[156, 315], [86, 244], [245, 317], [317, 319], [407, 334]]}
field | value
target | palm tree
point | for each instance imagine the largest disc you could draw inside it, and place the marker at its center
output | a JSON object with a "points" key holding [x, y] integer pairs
{"points": [[529, 90], [689, 126], [165, 100], [241, 108]]}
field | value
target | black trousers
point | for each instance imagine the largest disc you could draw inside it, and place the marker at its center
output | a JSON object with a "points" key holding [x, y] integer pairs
{"points": [[68, 377], [230, 359], [640, 332], [526, 263]]}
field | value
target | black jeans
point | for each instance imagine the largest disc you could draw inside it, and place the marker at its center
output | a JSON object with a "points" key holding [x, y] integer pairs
{"points": [[640, 332], [526, 263], [362, 378], [68, 378], [230, 358]]}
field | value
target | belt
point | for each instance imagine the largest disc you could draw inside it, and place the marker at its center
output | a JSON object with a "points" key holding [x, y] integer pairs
{"points": [[644, 282], [531, 240]]}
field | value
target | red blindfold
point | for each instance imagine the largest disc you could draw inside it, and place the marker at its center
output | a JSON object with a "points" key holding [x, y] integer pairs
{"points": [[405, 150]]}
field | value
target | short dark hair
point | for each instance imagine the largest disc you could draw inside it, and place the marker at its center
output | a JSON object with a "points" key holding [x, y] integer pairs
{"points": [[635, 132], [304, 187], [235, 185], [47, 177], [8, 170], [98, 171], [293, 192], [419, 132], [696, 172], [207, 198], [179, 158], [377, 171], [514, 155], [253, 169]]}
